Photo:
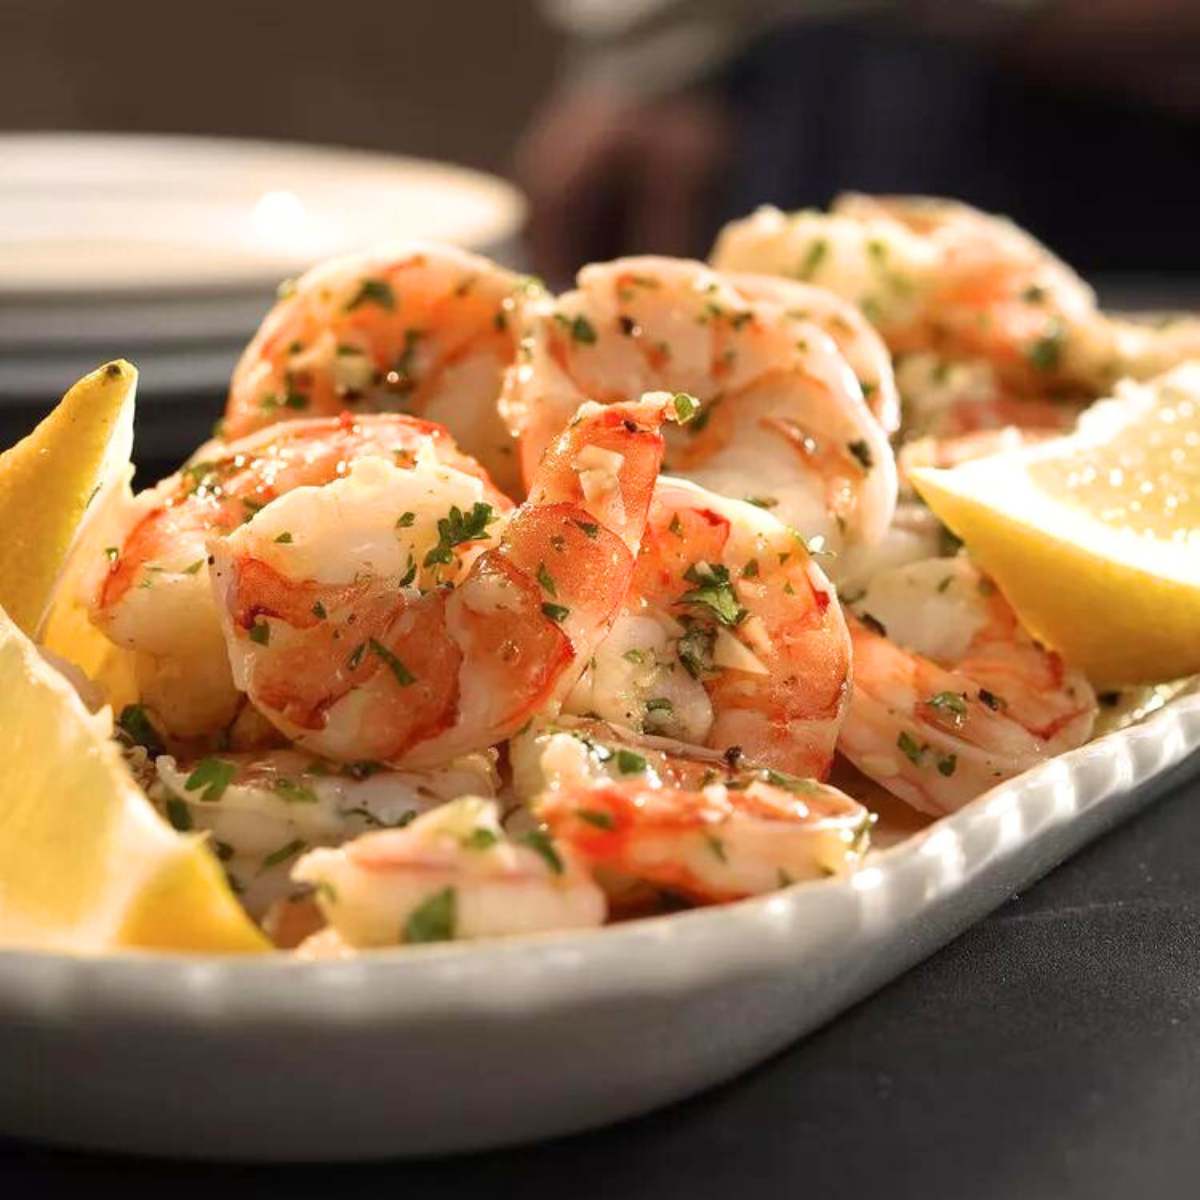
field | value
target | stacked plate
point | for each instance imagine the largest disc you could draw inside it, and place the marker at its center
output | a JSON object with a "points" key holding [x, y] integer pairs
{"points": [[167, 251]]}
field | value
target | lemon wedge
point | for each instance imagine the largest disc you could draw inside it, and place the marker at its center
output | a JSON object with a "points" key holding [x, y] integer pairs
{"points": [[48, 481], [1095, 537], [86, 864]]}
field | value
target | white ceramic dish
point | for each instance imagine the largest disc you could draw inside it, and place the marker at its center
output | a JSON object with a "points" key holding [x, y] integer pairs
{"points": [[460, 1047], [100, 214]]}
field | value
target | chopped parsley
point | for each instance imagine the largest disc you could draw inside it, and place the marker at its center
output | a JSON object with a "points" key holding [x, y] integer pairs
{"points": [[294, 793], [434, 919], [637, 657], [994, 702], [405, 520], [540, 841], [716, 846], [178, 814], [556, 612], [286, 851], [953, 703], [750, 570], [815, 256], [403, 675], [686, 407], [597, 817], [579, 327], [695, 649], [213, 775], [909, 748], [318, 611], [260, 632], [192, 568], [458, 527], [373, 291], [138, 731], [480, 838], [110, 552], [546, 580], [284, 539], [629, 762], [713, 591], [1046, 352], [947, 765], [590, 528], [660, 704]]}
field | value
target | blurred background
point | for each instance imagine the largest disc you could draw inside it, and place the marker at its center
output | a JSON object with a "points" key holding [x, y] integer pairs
{"points": [[629, 125]]}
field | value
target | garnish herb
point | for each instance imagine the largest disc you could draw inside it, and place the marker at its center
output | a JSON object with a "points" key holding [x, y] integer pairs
{"points": [[954, 703], [813, 259], [556, 612], [284, 539], [405, 520], [716, 846], [403, 675], [540, 841], [293, 792], [546, 580], [629, 762], [596, 817], [874, 624], [290, 850], [318, 611], [458, 527], [138, 730], [713, 591], [373, 291], [686, 407], [909, 748], [590, 529], [214, 775], [947, 764], [178, 814], [480, 839]]}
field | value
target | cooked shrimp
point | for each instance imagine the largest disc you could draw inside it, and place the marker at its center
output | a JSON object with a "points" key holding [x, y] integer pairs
{"points": [[934, 275], [946, 399], [452, 874], [356, 647], [951, 695], [713, 845], [782, 418], [151, 591], [856, 337], [264, 810], [730, 637], [415, 327]]}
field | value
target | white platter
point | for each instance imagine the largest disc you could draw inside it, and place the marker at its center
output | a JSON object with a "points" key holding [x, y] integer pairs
{"points": [[99, 214], [457, 1047]]}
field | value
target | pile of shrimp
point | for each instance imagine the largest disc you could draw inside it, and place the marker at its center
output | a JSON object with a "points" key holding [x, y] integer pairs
{"points": [[490, 611]]}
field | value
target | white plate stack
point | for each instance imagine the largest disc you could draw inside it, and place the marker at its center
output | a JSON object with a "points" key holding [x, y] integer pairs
{"points": [[168, 250]]}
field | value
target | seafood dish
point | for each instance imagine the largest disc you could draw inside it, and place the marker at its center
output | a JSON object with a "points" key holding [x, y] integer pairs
{"points": [[488, 611]]}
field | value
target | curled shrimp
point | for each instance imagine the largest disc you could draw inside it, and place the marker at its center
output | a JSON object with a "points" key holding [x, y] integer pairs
{"points": [[935, 275], [415, 327], [951, 695], [855, 336], [782, 418], [452, 874], [150, 590], [730, 637], [362, 648], [263, 810], [946, 399], [652, 814]]}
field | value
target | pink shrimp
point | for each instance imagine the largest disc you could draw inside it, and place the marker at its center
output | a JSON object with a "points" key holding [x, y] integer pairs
{"points": [[355, 658], [712, 845], [151, 592], [413, 327], [782, 418], [730, 637], [951, 695]]}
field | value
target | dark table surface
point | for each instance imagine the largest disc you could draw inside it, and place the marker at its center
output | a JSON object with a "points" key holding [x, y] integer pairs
{"points": [[1053, 1051]]}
